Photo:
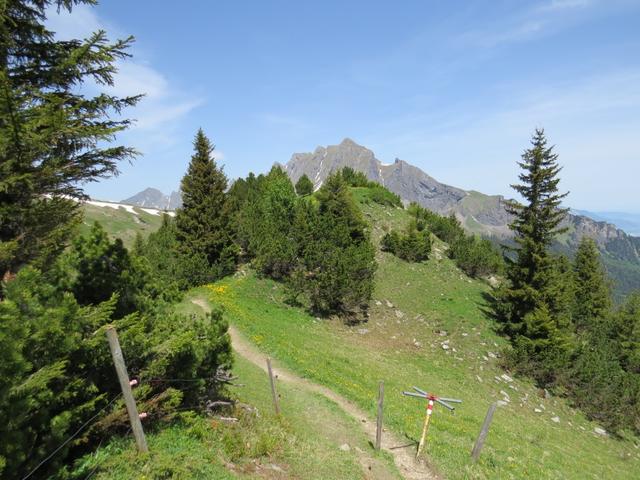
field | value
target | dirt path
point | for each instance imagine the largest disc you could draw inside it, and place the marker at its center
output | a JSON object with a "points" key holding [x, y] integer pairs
{"points": [[404, 457]]}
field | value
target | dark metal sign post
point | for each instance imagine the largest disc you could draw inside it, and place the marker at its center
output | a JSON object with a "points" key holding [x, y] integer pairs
{"points": [[431, 398]]}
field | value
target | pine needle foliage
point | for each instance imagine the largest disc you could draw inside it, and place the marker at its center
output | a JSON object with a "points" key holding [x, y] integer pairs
{"points": [[53, 139], [592, 303], [202, 224], [304, 186], [531, 306], [338, 259]]}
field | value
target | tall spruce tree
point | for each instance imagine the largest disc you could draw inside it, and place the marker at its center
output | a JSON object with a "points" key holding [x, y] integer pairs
{"points": [[527, 307], [53, 138], [592, 288], [202, 224]]}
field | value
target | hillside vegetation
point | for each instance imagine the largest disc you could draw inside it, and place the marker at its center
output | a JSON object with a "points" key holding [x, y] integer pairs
{"points": [[426, 328]]}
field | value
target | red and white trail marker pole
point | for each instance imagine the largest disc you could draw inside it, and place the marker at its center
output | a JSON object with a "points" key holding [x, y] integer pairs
{"points": [[431, 400], [425, 427]]}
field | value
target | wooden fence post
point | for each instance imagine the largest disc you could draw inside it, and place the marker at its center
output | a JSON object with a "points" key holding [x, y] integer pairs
{"points": [[274, 393], [379, 419], [482, 436], [123, 377]]}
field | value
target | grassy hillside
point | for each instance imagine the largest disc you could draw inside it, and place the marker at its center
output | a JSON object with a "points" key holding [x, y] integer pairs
{"points": [[427, 328], [120, 223], [304, 442], [418, 309]]}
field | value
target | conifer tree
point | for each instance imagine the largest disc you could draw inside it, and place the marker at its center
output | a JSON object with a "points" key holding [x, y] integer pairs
{"points": [[339, 259], [272, 241], [53, 138], [527, 307], [202, 224], [627, 334], [304, 186], [96, 268], [592, 289]]}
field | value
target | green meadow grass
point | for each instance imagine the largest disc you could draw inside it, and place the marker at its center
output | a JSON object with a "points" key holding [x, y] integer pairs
{"points": [[119, 223], [417, 307], [303, 442]]}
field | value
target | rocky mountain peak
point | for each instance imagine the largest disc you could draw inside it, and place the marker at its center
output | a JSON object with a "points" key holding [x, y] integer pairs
{"points": [[154, 198]]}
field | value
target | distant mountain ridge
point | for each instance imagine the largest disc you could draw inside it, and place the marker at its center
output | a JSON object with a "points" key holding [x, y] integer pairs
{"points": [[629, 222], [154, 198], [479, 213]]}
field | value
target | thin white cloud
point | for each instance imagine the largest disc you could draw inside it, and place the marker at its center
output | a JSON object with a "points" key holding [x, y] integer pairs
{"points": [[558, 5], [529, 23], [163, 105], [81, 24], [133, 78]]}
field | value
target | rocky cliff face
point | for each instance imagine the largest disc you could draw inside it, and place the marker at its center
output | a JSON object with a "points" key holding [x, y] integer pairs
{"points": [[411, 183]]}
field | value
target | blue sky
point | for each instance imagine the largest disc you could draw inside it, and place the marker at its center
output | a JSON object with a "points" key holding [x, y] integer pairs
{"points": [[455, 88]]}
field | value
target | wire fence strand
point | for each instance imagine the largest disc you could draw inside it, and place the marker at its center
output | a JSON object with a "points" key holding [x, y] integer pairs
{"points": [[74, 435]]}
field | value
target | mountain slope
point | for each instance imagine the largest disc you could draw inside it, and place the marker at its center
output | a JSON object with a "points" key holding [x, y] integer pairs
{"points": [[427, 328], [121, 221], [629, 222], [478, 213]]}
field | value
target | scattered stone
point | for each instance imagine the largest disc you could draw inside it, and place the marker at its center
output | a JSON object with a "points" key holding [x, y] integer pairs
{"points": [[505, 395], [399, 314], [501, 403], [479, 379], [345, 447], [389, 304], [417, 343], [497, 379], [363, 331], [445, 346], [485, 358], [276, 468], [465, 334], [600, 431], [537, 410], [378, 302], [492, 355], [506, 378], [555, 419], [442, 333]]}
